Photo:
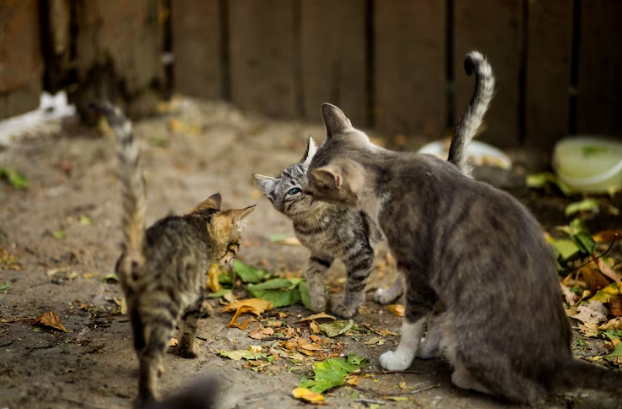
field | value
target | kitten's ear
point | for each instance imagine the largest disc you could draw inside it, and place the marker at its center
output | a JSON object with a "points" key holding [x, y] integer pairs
{"points": [[329, 176], [213, 202], [335, 120], [263, 183], [239, 215], [309, 152]]}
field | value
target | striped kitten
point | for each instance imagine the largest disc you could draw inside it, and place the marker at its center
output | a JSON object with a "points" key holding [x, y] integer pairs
{"points": [[332, 231], [475, 264], [162, 268]]}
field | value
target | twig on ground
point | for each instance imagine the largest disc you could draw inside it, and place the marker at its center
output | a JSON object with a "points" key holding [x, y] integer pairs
{"points": [[371, 401], [7, 344], [43, 347]]}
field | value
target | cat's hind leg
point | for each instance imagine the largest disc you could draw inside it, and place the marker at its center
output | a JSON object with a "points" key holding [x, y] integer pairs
{"points": [[188, 347], [157, 335], [391, 295], [314, 274], [430, 345], [358, 266]]}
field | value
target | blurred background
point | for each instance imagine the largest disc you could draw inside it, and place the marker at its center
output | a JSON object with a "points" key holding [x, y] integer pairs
{"points": [[395, 66]]}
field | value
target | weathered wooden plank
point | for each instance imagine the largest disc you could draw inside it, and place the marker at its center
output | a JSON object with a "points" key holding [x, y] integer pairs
{"points": [[493, 27], [599, 101], [410, 74], [197, 48], [263, 59], [21, 62], [549, 58], [334, 53]]}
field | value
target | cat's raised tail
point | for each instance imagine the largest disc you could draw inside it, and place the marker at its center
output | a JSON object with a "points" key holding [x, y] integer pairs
{"points": [[474, 62], [133, 187], [581, 375]]}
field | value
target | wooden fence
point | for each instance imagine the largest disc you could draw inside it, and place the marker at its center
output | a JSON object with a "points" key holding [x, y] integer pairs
{"points": [[393, 65]]}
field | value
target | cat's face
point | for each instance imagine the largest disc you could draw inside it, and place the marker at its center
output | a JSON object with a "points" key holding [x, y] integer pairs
{"points": [[224, 227], [285, 192], [332, 176]]}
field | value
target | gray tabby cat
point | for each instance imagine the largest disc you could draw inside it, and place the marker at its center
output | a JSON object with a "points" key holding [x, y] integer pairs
{"points": [[332, 231], [162, 269], [474, 261]]}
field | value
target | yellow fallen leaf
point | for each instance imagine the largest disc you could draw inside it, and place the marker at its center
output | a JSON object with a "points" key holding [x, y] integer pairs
{"points": [[309, 396], [173, 342], [260, 333], [353, 380], [255, 348], [385, 332], [311, 347], [244, 324], [615, 323], [49, 319], [403, 385], [374, 341], [397, 309], [212, 279], [319, 316], [607, 236], [314, 327], [252, 305]]}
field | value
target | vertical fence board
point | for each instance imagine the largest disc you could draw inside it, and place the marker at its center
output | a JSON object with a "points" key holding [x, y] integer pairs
{"points": [[262, 56], [599, 101], [21, 62], [493, 28], [333, 47], [549, 57], [410, 83], [197, 48]]}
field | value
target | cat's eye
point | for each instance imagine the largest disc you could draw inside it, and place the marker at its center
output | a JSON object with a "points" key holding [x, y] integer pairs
{"points": [[294, 191]]}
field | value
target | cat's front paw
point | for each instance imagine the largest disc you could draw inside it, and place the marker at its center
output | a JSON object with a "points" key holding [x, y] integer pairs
{"points": [[319, 304], [392, 361], [344, 311], [384, 297], [188, 350]]}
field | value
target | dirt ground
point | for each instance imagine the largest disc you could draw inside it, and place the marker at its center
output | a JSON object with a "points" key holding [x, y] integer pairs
{"points": [[63, 234]]}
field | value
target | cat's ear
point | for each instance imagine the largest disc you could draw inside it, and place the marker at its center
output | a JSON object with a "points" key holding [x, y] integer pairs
{"points": [[213, 202], [309, 152], [335, 120], [239, 215], [339, 174], [264, 183]]}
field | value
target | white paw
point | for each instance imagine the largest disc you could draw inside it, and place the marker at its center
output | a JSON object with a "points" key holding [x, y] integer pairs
{"points": [[382, 296], [392, 361]]}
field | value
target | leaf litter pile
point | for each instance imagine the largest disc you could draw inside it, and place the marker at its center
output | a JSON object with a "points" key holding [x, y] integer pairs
{"points": [[311, 346]]}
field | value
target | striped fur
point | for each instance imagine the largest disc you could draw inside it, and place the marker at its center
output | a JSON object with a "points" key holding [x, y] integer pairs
{"points": [[472, 118], [162, 269], [329, 231]]}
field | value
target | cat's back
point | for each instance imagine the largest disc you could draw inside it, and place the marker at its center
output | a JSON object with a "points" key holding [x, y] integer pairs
{"points": [[173, 237]]}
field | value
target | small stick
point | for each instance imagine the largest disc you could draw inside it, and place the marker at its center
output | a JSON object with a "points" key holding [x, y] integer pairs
{"points": [[43, 347], [371, 401], [7, 344]]}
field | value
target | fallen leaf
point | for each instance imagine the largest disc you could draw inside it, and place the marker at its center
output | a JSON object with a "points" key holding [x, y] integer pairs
{"points": [[312, 347], [260, 333], [397, 309], [173, 342], [317, 317], [374, 341], [245, 324], [607, 236], [249, 274], [403, 385], [253, 306], [85, 220], [569, 295], [606, 294], [50, 319], [308, 396], [6, 286], [111, 277], [589, 329], [585, 205], [281, 292], [333, 329], [242, 354], [615, 324], [59, 234], [14, 178], [594, 312], [616, 307], [617, 353], [353, 380], [593, 278], [212, 279], [608, 271], [314, 327], [332, 372], [385, 332]]}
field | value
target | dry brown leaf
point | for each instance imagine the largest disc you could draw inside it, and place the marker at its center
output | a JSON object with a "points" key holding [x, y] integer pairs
{"points": [[403, 385], [50, 319], [315, 338], [312, 347], [260, 333], [397, 309], [615, 308], [608, 271], [374, 341], [385, 332], [245, 324], [615, 323], [308, 396], [252, 306], [607, 236], [593, 278], [593, 312], [569, 295], [319, 316], [314, 327], [353, 380], [589, 329], [173, 342], [212, 279]]}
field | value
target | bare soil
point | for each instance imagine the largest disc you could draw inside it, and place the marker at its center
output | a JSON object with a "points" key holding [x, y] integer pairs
{"points": [[193, 151]]}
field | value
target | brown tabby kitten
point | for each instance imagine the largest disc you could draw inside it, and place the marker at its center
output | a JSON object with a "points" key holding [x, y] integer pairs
{"points": [[162, 268], [470, 248], [332, 231]]}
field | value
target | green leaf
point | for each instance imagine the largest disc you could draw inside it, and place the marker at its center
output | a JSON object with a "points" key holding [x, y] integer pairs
{"points": [[225, 277], [15, 179], [59, 234], [540, 180], [586, 205], [85, 220], [606, 294], [613, 334], [357, 360], [6, 286], [242, 354], [278, 237], [249, 274], [111, 277], [280, 292], [218, 294], [303, 287], [565, 248], [616, 352], [329, 374], [335, 328], [584, 242]]}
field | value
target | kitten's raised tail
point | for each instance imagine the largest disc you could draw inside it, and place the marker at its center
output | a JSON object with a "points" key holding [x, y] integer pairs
{"points": [[474, 113], [133, 182], [581, 375]]}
